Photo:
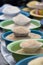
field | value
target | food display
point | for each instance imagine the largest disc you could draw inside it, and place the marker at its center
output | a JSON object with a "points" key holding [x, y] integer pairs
{"points": [[39, 8], [38, 12], [18, 19], [30, 46], [30, 35], [36, 61], [22, 30], [26, 48], [29, 24], [11, 10], [32, 4], [21, 51]]}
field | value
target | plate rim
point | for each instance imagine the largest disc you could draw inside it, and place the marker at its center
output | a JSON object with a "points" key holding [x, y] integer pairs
{"points": [[39, 16], [11, 20], [32, 57], [20, 41]]}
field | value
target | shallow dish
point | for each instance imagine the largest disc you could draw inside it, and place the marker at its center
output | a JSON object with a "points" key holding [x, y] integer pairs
{"points": [[4, 17], [35, 15], [4, 35], [9, 24], [27, 60], [32, 4], [14, 46]]}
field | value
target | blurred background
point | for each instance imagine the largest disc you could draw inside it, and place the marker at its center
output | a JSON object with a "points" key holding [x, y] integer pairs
{"points": [[16, 2]]}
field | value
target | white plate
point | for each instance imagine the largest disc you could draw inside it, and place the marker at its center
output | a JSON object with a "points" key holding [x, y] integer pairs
{"points": [[3, 17]]}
